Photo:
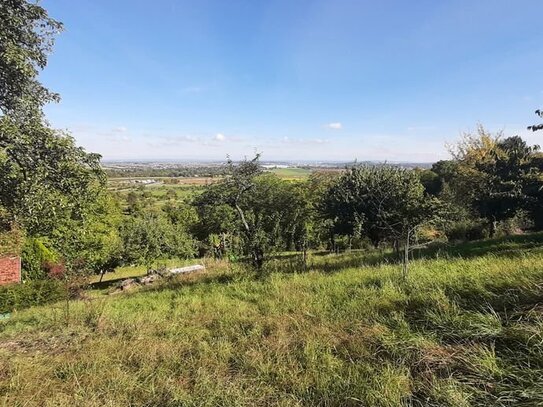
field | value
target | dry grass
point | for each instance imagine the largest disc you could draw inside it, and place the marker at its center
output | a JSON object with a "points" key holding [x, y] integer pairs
{"points": [[459, 332]]}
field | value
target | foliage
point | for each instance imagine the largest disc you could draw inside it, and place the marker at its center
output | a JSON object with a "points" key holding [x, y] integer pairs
{"points": [[537, 127], [30, 293], [27, 34], [494, 175], [152, 236], [383, 202], [45, 178], [36, 254]]}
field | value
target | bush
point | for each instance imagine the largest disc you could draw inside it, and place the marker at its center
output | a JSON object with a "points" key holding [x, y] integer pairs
{"points": [[20, 296], [518, 224], [35, 256], [465, 230]]}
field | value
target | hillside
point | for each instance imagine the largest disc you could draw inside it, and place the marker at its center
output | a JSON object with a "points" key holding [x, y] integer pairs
{"points": [[465, 329]]}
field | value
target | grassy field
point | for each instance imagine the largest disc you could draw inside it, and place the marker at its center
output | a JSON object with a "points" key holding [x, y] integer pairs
{"points": [[292, 173], [465, 329]]}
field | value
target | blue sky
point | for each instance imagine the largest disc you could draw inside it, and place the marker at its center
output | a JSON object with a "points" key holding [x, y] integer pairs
{"points": [[298, 80]]}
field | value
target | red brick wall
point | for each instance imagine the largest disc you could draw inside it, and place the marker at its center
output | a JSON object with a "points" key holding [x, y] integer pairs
{"points": [[10, 270]]}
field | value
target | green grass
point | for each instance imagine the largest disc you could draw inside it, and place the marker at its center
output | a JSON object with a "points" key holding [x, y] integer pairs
{"points": [[465, 329], [292, 173]]}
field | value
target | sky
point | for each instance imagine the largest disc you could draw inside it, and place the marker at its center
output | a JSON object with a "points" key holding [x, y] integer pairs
{"points": [[295, 80]]}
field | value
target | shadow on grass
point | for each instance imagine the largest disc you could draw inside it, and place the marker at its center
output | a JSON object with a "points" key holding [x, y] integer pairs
{"points": [[102, 285], [507, 247]]}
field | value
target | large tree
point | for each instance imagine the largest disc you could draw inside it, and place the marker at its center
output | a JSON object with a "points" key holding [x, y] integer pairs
{"points": [[26, 38], [385, 203], [496, 176], [47, 182]]}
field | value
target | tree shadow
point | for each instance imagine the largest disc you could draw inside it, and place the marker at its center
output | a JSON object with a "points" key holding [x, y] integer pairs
{"points": [[508, 246]]}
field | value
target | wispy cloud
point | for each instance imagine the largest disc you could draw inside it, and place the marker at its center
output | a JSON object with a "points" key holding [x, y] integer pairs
{"points": [[334, 126], [220, 137], [302, 141]]}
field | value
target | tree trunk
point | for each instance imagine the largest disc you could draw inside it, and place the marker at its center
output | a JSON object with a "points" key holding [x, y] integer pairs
{"points": [[493, 227], [258, 257], [406, 255]]}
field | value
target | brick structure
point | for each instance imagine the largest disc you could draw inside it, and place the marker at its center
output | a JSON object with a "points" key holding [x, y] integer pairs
{"points": [[10, 269]]}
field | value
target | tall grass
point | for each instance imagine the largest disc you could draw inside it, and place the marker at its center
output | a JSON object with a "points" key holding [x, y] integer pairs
{"points": [[464, 330]]}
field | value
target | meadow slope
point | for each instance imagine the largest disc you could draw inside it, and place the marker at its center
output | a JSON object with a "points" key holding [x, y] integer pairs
{"points": [[465, 329]]}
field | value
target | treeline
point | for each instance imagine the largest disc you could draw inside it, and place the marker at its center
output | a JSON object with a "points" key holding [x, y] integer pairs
{"points": [[172, 172], [492, 185], [56, 211]]}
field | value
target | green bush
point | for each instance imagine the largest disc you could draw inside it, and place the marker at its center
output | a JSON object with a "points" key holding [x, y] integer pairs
{"points": [[35, 255], [19, 296], [466, 230]]}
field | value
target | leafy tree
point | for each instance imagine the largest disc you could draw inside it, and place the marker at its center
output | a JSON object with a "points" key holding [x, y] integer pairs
{"points": [[26, 38], [382, 202], [151, 236], [47, 183], [45, 179], [266, 212], [494, 175]]}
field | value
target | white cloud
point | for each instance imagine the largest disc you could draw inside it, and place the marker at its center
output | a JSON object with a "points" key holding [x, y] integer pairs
{"points": [[304, 141], [334, 126], [220, 137], [120, 129]]}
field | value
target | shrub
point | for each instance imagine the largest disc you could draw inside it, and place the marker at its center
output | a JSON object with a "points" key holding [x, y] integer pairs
{"points": [[19, 296], [467, 230], [35, 256]]}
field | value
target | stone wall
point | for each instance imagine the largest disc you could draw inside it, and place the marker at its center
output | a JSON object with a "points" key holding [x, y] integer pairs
{"points": [[10, 270]]}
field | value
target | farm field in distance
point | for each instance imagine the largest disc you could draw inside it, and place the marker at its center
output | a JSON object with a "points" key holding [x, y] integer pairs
{"points": [[163, 187]]}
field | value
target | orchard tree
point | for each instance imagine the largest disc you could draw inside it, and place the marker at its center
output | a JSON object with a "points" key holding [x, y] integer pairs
{"points": [[382, 202], [266, 212], [151, 237]]}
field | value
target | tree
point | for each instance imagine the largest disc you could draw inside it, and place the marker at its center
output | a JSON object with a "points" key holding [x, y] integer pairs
{"points": [[493, 174], [26, 38], [151, 236], [267, 213], [47, 183], [382, 202], [45, 178], [238, 184]]}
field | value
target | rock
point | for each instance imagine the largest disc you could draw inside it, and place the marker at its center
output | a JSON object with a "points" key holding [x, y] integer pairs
{"points": [[149, 279], [128, 284], [188, 269]]}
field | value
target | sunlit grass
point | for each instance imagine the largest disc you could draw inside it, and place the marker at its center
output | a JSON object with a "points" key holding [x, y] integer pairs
{"points": [[465, 329]]}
